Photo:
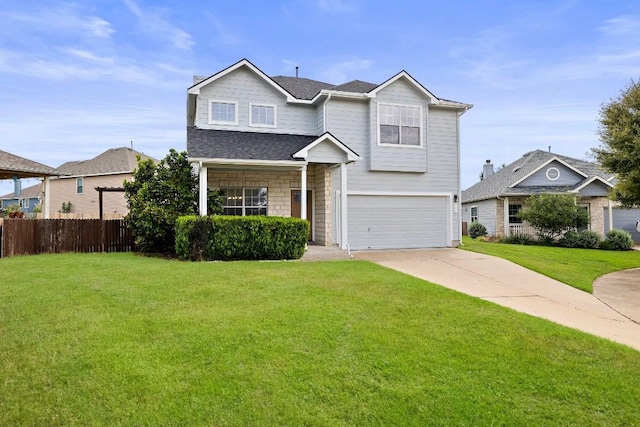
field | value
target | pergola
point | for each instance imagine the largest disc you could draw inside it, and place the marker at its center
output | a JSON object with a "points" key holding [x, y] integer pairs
{"points": [[16, 167]]}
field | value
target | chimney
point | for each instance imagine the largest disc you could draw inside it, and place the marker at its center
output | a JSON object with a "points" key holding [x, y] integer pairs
{"points": [[487, 169]]}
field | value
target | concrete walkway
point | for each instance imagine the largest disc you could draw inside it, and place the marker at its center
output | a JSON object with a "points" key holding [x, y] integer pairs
{"points": [[508, 284], [620, 291]]}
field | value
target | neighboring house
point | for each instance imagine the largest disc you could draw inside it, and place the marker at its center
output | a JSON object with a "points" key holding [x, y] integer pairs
{"points": [[80, 179], [497, 199], [28, 198], [370, 166]]}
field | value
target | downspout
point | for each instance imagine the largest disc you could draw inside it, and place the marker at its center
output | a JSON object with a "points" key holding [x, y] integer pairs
{"points": [[459, 190]]}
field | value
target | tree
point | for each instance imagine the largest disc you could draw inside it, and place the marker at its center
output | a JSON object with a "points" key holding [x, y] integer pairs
{"points": [[619, 153], [158, 195], [552, 215]]}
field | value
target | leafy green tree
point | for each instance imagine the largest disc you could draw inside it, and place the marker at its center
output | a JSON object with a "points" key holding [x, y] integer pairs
{"points": [[552, 215], [619, 153], [158, 195]]}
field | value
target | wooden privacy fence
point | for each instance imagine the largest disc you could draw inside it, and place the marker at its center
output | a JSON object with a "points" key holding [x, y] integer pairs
{"points": [[37, 236]]}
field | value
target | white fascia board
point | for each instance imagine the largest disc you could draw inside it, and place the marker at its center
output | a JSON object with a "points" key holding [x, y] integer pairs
{"points": [[403, 74], [351, 155], [551, 160], [80, 175], [400, 193], [248, 162], [590, 181], [195, 89]]}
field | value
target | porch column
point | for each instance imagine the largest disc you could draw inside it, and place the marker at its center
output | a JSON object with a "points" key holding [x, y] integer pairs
{"points": [[202, 196], [507, 229], [47, 197], [343, 205], [610, 215], [303, 192]]}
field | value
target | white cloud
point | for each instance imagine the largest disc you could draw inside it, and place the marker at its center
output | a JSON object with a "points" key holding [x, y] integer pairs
{"points": [[153, 23], [336, 6], [344, 70]]}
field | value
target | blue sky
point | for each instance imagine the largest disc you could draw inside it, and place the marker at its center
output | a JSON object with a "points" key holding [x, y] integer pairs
{"points": [[79, 77]]}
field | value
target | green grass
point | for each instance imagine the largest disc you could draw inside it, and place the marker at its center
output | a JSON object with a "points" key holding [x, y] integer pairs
{"points": [[575, 267], [118, 339]]}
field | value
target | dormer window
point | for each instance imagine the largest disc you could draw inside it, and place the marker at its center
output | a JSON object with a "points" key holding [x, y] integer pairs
{"points": [[400, 125], [223, 112], [262, 115]]}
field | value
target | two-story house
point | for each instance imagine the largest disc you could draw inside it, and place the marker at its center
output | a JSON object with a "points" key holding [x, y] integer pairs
{"points": [[371, 166]]}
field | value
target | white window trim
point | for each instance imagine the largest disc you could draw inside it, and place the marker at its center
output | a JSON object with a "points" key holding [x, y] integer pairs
{"points": [[552, 169], [77, 179], [259, 125], [422, 130], [222, 122], [471, 208]]}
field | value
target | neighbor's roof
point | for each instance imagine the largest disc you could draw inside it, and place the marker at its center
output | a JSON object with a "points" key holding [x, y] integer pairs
{"points": [[15, 166], [499, 184], [114, 160], [30, 192], [222, 144]]}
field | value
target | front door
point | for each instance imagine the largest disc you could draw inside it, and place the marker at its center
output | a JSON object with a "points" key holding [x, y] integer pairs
{"points": [[296, 208]]}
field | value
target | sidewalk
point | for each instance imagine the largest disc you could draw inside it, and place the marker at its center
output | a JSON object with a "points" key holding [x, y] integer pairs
{"points": [[508, 284]]}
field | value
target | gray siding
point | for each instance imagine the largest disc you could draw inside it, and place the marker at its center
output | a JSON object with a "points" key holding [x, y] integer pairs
{"points": [[486, 214], [320, 117], [567, 177], [595, 189], [398, 158], [244, 87], [326, 153]]}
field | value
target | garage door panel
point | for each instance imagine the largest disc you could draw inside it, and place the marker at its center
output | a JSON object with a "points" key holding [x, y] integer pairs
{"points": [[380, 222]]}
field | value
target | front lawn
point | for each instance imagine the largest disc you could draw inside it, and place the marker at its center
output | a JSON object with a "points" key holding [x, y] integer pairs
{"points": [[575, 267], [119, 339]]}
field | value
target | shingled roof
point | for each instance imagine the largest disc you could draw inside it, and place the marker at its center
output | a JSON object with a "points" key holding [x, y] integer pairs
{"points": [[32, 191], [112, 161], [222, 144], [15, 166], [499, 184]]}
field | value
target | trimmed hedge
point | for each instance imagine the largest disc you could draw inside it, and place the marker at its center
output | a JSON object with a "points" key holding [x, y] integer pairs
{"points": [[225, 238]]}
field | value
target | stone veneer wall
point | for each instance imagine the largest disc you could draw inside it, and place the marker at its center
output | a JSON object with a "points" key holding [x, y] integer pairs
{"points": [[596, 211], [279, 185]]}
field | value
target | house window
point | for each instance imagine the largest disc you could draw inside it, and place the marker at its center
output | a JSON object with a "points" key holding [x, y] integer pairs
{"points": [[223, 112], [400, 125], [244, 201], [514, 210], [79, 185], [24, 203], [262, 115], [474, 214]]}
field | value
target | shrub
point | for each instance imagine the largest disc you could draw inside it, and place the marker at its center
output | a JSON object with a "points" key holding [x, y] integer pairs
{"points": [[585, 239], [571, 239], [519, 239], [235, 238], [617, 240], [553, 214], [476, 230]]}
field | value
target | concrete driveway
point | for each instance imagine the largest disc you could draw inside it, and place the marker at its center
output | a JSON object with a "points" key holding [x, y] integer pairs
{"points": [[508, 284]]}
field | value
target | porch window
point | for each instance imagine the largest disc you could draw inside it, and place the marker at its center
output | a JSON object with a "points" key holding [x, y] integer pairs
{"points": [[400, 125], [514, 210], [474, 214], [79, 185], [243, 201]]}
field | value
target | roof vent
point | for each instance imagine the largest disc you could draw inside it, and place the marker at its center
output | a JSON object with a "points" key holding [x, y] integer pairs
{"points": [[517, 168]]}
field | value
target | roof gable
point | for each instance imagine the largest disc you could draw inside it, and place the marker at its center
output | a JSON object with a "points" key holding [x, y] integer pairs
{"points": [[413, 82], [504, 182], [325, 138], [112, 161], [553, 162], [195, 89]]}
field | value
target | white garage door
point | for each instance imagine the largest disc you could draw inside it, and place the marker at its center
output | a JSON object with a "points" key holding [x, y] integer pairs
{"points": [[394, 222]]}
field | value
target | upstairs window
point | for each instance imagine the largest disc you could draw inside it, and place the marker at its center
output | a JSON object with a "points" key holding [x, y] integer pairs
{"points": [[79, 185], [400, 125], [262, 115], [223, 112]]}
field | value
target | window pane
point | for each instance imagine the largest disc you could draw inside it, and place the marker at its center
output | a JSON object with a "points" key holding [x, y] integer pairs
{"points": [[410, 135], [389, 134], [262, 115], [232, 211], [223, 112]]}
